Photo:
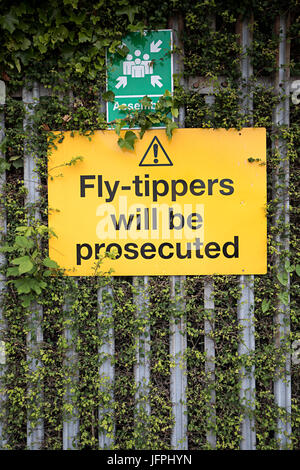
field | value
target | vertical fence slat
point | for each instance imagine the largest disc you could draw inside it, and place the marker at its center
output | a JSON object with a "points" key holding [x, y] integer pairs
{"points": [[107, 349], [35, 427], [209, 348], [178, 383], [246, 347], [282, 383], [142, 366], [2, 276], [245, 308], [178, 339], [209, 343], [106, 358], [71, 423]]}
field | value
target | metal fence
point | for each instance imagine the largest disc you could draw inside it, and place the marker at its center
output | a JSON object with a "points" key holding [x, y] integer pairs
{"points": [[177, 332]]}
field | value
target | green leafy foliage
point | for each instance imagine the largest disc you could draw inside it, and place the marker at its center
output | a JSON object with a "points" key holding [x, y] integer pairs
{"points": [[128, 141], [165, 109], [28, 268]]}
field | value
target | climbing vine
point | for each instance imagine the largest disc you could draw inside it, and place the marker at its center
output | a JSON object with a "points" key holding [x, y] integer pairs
{"points": [[61, 45]]}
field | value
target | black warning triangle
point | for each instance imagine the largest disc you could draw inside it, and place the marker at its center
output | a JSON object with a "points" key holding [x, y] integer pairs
{"points": [[155, 155]]}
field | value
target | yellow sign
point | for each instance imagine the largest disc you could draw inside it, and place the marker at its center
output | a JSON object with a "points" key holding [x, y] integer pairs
{"points": [[194, 204]]}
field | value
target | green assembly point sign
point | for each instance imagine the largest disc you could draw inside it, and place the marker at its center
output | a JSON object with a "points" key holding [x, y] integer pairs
{"points": [[147, 69]]}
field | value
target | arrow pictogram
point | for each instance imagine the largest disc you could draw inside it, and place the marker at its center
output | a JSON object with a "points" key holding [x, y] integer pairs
{"points": [[121, 81], [155, 80]]}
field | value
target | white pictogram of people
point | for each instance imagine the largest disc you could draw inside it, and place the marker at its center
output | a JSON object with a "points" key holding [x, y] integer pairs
{"points": [[137, 68]]}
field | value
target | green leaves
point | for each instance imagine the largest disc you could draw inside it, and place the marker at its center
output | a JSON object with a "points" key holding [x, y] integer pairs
{"points": [[9, 21], [128, 141], [24, 263], [282, 278], [27, 285], [175, 112], [283, 274], [28, 266], [288, 267], [170, 128], [23, 242], [145, 118], [146, 101], [284, 297], [129, 11], [108, 96], [4, 165], [49, 263], [84, 35], [265, 305]]}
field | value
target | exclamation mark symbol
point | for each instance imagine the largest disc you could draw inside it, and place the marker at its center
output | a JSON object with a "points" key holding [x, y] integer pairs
{"points": [[155, 150]]}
